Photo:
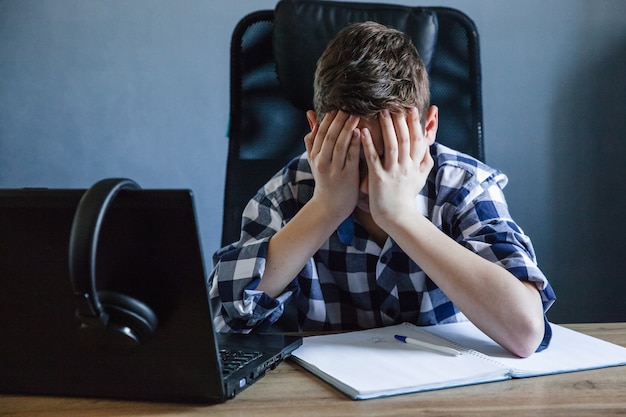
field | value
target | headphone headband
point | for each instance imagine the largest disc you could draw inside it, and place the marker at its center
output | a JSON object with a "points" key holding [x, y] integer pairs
{"points": [[83, 246]]}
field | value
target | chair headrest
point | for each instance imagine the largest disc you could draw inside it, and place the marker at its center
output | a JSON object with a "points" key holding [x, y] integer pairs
{"points": [[303, 28]]}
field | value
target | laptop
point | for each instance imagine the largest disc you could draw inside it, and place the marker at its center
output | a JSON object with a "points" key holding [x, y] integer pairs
{"points": [[149, 249]]}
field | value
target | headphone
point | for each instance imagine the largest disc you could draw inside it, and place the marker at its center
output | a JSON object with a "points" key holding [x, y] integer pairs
{"points": [[107, 319]]}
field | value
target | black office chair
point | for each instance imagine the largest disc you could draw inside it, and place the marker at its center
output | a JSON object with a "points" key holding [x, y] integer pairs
{"points": [[267, 116]]}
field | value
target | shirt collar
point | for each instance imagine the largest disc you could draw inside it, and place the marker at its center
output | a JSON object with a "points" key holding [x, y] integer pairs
{"points": [[345, 231]]}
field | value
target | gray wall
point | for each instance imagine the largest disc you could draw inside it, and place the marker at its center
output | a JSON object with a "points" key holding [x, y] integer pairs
{"points": [[93, 88]]}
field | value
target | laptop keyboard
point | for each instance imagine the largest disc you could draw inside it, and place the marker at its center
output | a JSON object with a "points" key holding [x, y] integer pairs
{"points": [[232, 360]]}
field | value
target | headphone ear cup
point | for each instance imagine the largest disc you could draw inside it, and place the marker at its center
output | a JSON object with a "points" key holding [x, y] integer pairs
{"points": [[125, 311], [130, 323]]}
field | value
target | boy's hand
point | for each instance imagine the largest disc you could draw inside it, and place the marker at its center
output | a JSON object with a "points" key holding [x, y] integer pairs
{"points": [[396, 178], [333, 150]]}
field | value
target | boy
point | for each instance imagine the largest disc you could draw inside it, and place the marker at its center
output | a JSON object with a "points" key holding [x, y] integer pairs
{"points": [[377, 224]]}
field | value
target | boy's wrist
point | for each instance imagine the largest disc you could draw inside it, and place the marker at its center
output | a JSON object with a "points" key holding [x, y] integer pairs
{"points": [[328, 214], [399, 220]]}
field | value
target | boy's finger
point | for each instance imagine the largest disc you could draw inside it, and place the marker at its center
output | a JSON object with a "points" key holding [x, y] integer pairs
{"points": [[336, 127], [354, 150], [348, 134], [390, 142], [372, 159], [403, 136], [318, 139], [418, 144]]}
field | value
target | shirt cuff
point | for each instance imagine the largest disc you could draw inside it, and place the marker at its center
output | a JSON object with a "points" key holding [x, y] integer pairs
{"points": [[547, 336]]}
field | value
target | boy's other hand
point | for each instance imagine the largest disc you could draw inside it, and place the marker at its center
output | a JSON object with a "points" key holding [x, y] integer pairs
{"points": [[396, 177], [333, 148]]}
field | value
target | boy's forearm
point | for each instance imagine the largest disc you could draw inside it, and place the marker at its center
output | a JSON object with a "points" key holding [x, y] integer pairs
{"points": [[292, 246], [505, 308]]}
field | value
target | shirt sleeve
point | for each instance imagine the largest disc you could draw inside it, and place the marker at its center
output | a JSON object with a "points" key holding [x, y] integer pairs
{"points": [[237, 305], [479, 219], [477, 216], [239, 267]]}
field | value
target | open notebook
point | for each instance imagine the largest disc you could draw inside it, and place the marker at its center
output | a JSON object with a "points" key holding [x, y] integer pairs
{"points": [[372, 363]]}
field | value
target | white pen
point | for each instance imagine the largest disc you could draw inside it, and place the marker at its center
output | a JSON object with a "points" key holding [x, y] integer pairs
{"points": [[429, 346]]}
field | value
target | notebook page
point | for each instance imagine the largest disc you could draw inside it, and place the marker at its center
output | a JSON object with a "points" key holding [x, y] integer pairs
{"points": [[371, 363]]}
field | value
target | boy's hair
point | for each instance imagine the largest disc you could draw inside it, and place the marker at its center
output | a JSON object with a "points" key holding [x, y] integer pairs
{"points": [[367, 68]]}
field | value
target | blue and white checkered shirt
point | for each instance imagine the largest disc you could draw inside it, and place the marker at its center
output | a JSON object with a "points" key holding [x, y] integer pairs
{"points": [[351, 282]]}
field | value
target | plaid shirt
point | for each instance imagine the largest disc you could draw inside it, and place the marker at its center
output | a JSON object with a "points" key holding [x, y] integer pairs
{"points": [[351, 282]]}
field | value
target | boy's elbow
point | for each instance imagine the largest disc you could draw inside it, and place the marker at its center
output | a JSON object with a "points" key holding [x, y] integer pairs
{"points": [[528, 338]]}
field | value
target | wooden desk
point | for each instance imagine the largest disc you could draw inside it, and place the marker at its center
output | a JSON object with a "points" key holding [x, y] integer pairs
{"points": [[291, 391]]}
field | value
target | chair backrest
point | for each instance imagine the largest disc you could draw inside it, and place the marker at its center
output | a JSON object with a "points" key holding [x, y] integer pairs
{"points": [[267, 120]]}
